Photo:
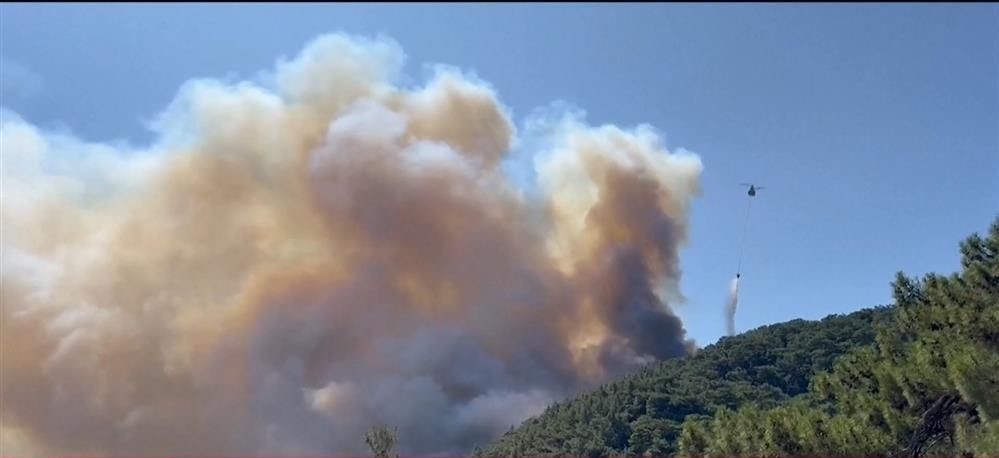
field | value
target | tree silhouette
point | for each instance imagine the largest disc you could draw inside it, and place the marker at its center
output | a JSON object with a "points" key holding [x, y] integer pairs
{"points": [[381, 441]]}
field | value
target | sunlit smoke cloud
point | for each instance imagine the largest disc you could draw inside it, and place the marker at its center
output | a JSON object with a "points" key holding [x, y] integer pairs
{"points": [[291, 264]]}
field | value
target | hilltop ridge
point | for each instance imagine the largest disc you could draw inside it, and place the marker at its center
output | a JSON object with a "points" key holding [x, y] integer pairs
{"points": [[644, 412]]}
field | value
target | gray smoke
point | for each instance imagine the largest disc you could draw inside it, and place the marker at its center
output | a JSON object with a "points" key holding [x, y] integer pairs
{"points": [[287, 266]]}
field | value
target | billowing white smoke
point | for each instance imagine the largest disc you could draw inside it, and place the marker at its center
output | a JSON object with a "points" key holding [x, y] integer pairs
{"points": [[733, 300], [288, 266]]}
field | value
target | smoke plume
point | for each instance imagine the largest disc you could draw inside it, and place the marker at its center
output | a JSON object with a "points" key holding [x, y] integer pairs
{"points": [[298, 259], [733, 300]]}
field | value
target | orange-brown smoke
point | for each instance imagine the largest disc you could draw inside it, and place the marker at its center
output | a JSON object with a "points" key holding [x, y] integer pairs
{"points": [[294, 262]]}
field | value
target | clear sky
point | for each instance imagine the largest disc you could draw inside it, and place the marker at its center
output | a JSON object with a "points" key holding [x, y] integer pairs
{"points": [[875, 128]]}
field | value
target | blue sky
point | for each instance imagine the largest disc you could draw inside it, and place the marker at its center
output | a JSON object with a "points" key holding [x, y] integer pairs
{"points": [[875, 128]]}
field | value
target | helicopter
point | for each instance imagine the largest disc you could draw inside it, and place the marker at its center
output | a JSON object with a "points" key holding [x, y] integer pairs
{"points": [[752, 188]]}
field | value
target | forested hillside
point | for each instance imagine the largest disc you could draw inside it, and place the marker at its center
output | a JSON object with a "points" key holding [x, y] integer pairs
{"points": [[645, 412], [929, 385], [920, 376]]}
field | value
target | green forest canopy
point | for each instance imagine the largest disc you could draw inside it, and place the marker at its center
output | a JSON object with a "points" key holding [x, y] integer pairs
{"points": [[918, 376]]}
